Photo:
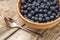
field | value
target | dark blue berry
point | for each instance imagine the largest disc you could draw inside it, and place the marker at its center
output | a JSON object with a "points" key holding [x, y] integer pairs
{"points": [[42, 6], [45, 15], [30, 1], [40, 19], [32, 17], [41, 10], [35, 18], [40, 15], [25, 11], [52, 8], [45, 10], [36, 10], [23, 1], [22, 11], [37, 4], [44, 1], [32, 12], [37, 15], [26, 16], [54, 14], [49, 13], [29, 5], [47, 18], [25, 6], [29, 9], [29, 15], [22, 7], [51, 17], [33, 7]]}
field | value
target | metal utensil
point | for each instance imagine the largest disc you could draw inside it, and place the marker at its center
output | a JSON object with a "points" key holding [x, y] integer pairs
{"points": [[11, 23]]}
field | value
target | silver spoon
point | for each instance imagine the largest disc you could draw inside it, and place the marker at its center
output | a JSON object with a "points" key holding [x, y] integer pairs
{"points": [[11, 23]]}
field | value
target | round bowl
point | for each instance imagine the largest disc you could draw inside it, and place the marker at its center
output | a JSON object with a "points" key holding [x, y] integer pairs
{"points": [[36, 25]]}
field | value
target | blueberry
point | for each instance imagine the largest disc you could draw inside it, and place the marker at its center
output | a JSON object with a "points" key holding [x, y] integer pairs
{"points": [[51, 17], [37, 4], [58, 15], [29, 15], [32, 12], [57, 7], [47, 18], [40, 15], [44, 1], [39, 7], [29, 9], [56, 11], [30, 1], [41, 10], [45, 15], [35, 18], [49, 13], [23, 1], [54, 14], [36, 10], [56, 0], [59, 10], [51, 0], [22, 7], [54, 3], [32, 17], [22, 11], [45, 10], [42, 6], [40, 19], [48, 3], [46, 7], [25, 6], [44, 20], [26, 16], [34, 2], [51, 4], [37, 15], [52, 8], [25, 11], [33, 7], [29, 5], [39, 1]]}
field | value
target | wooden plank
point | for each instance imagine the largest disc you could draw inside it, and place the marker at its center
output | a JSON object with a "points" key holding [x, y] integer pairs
{"points": [[21, 35], [7, 33]]}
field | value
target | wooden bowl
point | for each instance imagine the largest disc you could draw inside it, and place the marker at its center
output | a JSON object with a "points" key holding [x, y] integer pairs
{"points": [[36, 25]]}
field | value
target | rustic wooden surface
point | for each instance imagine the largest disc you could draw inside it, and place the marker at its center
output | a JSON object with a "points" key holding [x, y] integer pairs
{"points": [[8, 9]]}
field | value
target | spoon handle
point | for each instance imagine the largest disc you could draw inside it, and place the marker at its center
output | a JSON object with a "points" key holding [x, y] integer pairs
{"points": [[28, 30]]}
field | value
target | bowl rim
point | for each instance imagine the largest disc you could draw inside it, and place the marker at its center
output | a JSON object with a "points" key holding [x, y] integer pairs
{"points": [[19, 13]]}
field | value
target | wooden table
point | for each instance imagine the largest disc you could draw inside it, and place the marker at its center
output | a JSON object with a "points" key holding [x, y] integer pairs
{"points": [[8, 9]]}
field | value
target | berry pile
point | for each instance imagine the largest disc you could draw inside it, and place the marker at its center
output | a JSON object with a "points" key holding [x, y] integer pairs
{"points": [[40, 11]]}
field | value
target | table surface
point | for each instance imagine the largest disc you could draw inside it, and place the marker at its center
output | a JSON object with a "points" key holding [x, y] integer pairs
{"points": [[8, 8]]}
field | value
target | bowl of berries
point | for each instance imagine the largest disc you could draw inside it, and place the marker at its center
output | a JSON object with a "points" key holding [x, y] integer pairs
{"points": [[39, 14]]}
